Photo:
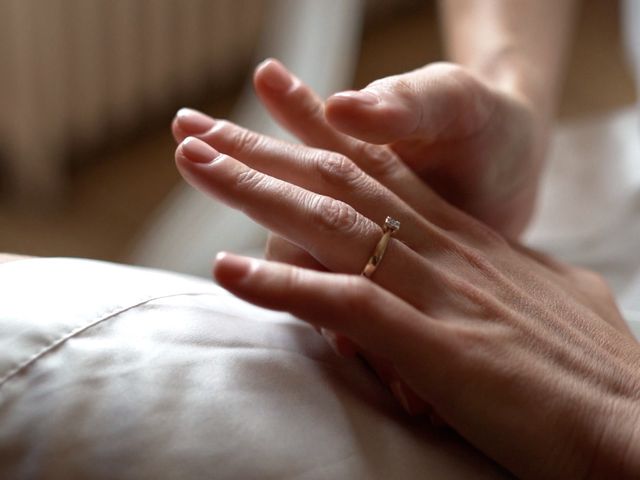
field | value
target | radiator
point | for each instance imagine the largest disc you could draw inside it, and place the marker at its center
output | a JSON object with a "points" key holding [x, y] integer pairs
{"points": [[77, 71]]}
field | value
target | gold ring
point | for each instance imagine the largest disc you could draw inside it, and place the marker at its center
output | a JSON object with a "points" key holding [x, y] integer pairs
{"points": [[391, 226]]}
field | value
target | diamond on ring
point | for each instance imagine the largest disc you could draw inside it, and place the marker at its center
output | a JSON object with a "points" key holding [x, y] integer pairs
{"points": [[392, 224]]}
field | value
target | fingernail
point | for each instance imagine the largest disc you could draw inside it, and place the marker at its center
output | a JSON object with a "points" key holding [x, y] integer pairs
{"points": [[361, 96], [330, 337], [197, 151], [276, 77], [398, 391], [346, 347], [231, 268], [340, 344], [193, 122]]}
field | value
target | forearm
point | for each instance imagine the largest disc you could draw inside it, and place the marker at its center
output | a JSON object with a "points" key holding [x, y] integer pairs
{"points": [[517, 45]]}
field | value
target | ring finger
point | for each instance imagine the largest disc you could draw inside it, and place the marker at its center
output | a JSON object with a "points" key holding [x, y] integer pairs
{"points": [[333, 232], [321, 171]]}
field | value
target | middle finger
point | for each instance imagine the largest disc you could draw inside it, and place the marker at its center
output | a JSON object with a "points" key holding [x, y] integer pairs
{"points": [[334, 233], [321, 171]]}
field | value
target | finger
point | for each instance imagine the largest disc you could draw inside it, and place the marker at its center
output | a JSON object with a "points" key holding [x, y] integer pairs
{"points": [[320, 171], [281, 250], [438, 102], [298, 109], [376, 319], [278, 158], [190, 123], [335, 234]]}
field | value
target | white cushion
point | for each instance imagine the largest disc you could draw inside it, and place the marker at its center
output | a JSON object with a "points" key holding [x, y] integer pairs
{"points": [[113, 372]]}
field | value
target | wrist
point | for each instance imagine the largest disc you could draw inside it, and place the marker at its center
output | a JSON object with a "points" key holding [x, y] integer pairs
{"points": [[507, 71]]}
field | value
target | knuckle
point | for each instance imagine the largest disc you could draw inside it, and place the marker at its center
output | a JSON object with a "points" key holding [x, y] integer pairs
{"points": [[290, 280], [332, 214], [248, 179], [295, 279], [403, 86], [308, 106], [358, 294], [337, 169], [244, 140], [380, 163]]}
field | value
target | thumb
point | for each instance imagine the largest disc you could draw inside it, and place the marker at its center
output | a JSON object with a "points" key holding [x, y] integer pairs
{"points": [[438, 102]]}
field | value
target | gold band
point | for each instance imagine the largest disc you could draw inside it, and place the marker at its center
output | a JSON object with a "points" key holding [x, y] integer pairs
{"points": [[391, 226]]}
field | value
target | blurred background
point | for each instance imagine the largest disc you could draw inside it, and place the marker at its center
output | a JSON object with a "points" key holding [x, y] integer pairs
{"points": [[88, 89]]}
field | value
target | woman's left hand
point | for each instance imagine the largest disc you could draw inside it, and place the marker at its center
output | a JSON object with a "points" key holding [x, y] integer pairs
{"points": [[528, 359]]}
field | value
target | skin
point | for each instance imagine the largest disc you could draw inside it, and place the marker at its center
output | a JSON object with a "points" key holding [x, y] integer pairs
{"points": [[540, 369], [476, 130], [300, 110]]}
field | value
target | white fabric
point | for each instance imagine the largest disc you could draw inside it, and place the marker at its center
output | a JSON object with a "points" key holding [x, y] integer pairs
{"points": [[589, 206], [113, 372]]}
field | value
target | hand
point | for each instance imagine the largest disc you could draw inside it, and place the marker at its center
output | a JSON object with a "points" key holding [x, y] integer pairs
{"points": [[302, 107], [526, 358], [480, 147], [300, 110]]}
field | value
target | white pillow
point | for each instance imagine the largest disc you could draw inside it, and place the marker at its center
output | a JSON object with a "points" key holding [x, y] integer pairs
{"points": [[114, 372]]}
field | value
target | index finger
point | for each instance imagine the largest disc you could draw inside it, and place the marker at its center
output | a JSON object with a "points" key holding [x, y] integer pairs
{"points": [[297, 108]]}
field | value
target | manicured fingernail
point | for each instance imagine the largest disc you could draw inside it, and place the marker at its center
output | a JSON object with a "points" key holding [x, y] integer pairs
{"points": [[398, 390], [275, 76], [193, 122], [362, 96], [197, 151], [231, 268]]}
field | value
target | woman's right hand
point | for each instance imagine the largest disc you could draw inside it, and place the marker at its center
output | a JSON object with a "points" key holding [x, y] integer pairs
{"points": [[526, 358], [300, 110]]}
